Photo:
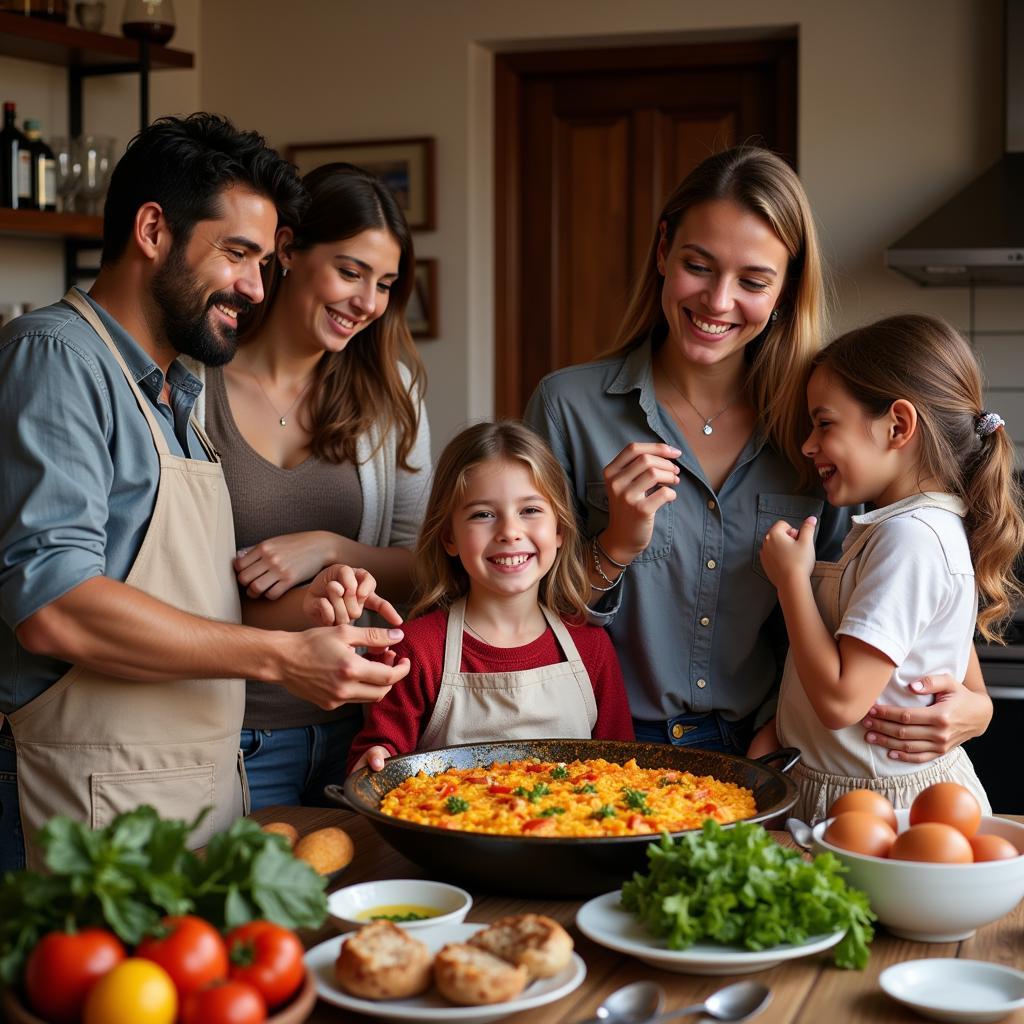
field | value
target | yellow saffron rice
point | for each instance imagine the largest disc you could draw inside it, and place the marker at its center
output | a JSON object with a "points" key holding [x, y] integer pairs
{"points": [[577, 798]]}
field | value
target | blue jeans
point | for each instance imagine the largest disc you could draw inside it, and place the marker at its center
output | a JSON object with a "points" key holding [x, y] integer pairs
{"points": [[701, 732], [12, 845], [292, 766]]}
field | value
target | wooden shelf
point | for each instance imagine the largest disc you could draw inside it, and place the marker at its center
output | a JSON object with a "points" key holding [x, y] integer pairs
{"points": [[43, 224], [50, 42]]}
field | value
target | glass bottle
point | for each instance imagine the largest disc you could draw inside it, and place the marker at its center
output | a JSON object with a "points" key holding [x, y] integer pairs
{"points": [[148, 19], [12, 143], [44, 169]]}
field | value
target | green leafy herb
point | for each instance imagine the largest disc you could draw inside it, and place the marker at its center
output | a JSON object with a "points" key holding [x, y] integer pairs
{"points": [[587, 787], [636, 799], [398, 918], [739, 887], [560, 772], [533, 795], [550, 812], [137, 869], [604, 811], [665, 780], [456, 805]]}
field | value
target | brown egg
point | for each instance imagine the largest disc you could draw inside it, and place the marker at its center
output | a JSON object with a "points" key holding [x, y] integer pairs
{"points": [[932, 841], [987, 847], [860, 832], [865, 800], [949, 803]]}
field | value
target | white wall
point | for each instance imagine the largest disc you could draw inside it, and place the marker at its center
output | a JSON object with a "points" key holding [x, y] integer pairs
{"points": [[900, 106], [32, 270]]}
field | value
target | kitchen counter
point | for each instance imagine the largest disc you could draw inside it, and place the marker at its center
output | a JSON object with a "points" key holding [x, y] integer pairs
{"points": [[805, 991]]}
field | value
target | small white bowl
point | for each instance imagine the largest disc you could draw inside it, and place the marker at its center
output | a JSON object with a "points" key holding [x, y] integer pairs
{"points": [[356, 905], [965, 991], [936, 902]]}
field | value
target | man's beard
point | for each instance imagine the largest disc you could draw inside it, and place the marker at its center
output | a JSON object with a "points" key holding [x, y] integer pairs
{"points": [[184, 315]]}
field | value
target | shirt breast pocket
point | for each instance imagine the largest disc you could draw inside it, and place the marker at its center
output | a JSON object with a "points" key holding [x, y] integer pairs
{"points": [[794, 508], [597, 520]]}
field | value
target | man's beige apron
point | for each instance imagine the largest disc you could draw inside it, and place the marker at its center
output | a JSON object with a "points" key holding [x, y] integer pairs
{"points": [[847, 748], [93, 745], [538, 703]]}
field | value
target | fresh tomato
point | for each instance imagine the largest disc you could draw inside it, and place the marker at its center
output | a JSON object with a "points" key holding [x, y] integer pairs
{"points": [[134, 992], [63, 967], [191, 951], [225, 1002], [268, 957]]}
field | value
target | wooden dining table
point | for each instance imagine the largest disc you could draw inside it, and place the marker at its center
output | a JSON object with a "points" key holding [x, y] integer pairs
{"points": [[810, 990]]}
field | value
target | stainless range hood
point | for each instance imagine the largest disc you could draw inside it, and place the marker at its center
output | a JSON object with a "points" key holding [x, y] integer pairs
{"points": [[977, 238]]}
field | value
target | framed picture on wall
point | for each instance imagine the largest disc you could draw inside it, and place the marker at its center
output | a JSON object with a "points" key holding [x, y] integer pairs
{"points": [[406, 166], [422, 311]]}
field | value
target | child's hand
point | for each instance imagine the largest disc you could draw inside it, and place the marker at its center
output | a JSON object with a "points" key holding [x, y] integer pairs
{"points": [[787, 554], [765, 741], [374, 757], [339, 594]]}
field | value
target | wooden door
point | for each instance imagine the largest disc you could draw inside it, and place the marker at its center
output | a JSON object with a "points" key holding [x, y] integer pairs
{"points": [[589, 144]]}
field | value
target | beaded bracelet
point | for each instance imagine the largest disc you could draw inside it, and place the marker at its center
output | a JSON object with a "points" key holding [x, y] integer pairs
{"points": [[595, 547]]}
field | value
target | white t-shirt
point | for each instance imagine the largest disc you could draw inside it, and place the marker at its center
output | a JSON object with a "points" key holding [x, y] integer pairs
{"points": [[909, 592]]}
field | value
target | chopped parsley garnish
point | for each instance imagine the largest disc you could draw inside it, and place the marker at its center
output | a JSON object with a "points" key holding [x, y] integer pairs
{"points": [[550, 812], [666, 781], [587, 787], [604, 811], [456, 805], [636, 800], [411, 916], [560, 772], [533, 795]]}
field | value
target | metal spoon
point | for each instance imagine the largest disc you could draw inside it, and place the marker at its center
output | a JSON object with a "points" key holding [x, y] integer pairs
{"points": [[732, 1003], [632, 1004], [800, 831]]}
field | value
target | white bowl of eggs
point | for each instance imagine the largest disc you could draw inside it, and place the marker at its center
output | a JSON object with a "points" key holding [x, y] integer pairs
{"points": [[933, 873]]}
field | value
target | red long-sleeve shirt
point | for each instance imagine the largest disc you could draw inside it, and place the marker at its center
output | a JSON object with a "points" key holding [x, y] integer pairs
{"points": [[398, 721]]}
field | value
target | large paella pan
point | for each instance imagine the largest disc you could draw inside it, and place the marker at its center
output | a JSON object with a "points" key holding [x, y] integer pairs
{"points": [[538, 865]]}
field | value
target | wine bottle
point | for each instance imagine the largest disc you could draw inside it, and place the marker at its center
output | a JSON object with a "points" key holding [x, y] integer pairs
{"points": [[12, 143], [44, 169]]}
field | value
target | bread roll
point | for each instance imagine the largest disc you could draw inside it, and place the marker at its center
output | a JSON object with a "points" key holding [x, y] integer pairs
{"points": [[381, 961], [471, 976], [282, 828], [326, 849], [538, 943]]}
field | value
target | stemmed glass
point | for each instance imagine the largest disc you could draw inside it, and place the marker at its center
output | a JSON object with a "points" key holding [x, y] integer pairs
{"points": [[67, 153], [97, 155]]}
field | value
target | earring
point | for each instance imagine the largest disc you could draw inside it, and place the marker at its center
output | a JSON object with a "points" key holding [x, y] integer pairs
{"points": [[284, 271], [773, 317]]}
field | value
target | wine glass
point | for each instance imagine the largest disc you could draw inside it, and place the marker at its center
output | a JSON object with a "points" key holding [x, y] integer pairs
{"points": [[148, 19], [97, 154], [68, 155]]}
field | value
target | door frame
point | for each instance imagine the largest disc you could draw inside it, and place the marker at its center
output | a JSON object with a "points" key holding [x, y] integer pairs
{"points": [[510, 71]]}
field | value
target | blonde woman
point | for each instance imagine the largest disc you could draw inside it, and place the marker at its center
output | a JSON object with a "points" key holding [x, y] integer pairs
{"points": [[682, 448]]}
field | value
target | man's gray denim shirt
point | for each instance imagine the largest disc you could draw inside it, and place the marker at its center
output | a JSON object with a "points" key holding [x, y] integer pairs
{"points": [[695, 621], [79, 469]]}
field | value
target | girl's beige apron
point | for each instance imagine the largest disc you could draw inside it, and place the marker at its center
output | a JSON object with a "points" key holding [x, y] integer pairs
{"points": [[537, 703], [93, 745], [852, 756]]}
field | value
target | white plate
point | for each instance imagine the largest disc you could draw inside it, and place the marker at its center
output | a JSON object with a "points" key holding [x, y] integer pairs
{"points": [[604, 921], [970, 991], [430, 1005]]}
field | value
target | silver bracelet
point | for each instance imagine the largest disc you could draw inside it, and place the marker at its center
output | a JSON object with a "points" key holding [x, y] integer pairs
{"points": [[608, 558], [595, 547]]}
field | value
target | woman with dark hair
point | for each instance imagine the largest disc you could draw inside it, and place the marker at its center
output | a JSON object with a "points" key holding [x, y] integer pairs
{"points": [[321, 428]]}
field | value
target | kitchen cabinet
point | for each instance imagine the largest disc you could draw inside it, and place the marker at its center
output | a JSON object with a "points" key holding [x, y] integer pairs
{"points": [[85, 55]]}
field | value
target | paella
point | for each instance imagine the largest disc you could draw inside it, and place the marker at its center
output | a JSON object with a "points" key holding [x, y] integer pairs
{"points": [[579, 798]]}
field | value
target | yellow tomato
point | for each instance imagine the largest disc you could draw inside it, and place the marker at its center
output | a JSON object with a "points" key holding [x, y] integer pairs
{"points": [[136, 991]]}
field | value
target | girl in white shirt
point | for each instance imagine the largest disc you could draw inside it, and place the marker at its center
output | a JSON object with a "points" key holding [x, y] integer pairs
{"points": [[897, 424]]}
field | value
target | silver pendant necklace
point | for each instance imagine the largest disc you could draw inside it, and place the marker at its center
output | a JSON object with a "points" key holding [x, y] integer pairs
{"points": [[282, 417], [707, 429]]}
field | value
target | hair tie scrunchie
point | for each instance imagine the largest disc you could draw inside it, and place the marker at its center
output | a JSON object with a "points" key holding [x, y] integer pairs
{"points": [[988, 423]]}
